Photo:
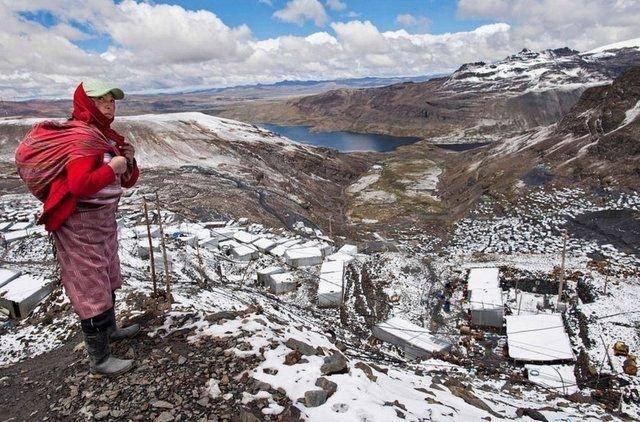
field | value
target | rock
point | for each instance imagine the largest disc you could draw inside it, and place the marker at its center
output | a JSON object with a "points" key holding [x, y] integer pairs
{"points": [[292, 358], [340, 407], [204, 402], [379, 368], [396, 403], [367, 371], [213, 389], [165, 417], [341, 346], [246, 416], [630, 366], [218, 316], [161, 404], [620, 349], [301, 346], [182, 360], [79, 347], [290, 414], [532, 413], [101, 415], [580, 398], [270, 371], [262, 386], [329, 386], [315, 398], [463, 392], [334, 364]]}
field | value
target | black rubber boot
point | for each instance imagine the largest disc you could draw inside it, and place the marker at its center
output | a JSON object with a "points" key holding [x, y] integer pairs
{"points": [[119, 333], [101, 361], [96, 339]]}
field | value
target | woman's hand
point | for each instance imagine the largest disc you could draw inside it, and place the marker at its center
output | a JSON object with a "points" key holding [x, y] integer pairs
{"points": [[118, 164], [128, 151]]}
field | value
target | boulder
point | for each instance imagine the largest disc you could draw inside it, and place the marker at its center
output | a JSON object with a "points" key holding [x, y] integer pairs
{"points": [[315, 398]]}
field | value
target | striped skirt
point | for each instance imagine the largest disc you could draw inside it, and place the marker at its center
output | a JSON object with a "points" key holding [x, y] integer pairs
{"points": [[87, 250]]}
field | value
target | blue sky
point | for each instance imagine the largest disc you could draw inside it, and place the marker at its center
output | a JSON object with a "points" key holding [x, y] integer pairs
{"points": [[436, 16], [151, 46], [382, 13]]}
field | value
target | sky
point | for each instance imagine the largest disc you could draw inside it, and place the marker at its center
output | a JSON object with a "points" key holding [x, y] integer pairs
{"points": [[48, 46]]}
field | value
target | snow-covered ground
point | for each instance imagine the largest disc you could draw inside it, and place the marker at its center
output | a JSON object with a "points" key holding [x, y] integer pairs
{"points": [[380, 384], [177, 139]]}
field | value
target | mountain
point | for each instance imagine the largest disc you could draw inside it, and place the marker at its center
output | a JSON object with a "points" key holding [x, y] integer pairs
{"points": [[478, 102], [568, 134], [553, 196], [595, 145], [210, 99], [192, 157]]}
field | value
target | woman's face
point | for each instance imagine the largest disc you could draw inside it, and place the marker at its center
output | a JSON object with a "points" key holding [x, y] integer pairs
{"points": [[106, 104]]}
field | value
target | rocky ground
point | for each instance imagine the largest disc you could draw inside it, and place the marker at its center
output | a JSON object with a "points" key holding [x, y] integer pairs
{"points": [[227, 350]]}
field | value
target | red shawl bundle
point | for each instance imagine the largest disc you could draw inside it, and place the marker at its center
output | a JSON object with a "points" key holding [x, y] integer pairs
{"points": [[49, 146]]}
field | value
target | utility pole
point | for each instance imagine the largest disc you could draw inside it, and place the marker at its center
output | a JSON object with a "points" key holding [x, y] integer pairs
{"points": [[561, 284]]}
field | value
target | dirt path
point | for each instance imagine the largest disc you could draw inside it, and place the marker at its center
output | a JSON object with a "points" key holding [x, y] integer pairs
{"points": [[168, 382], [29, 388]]}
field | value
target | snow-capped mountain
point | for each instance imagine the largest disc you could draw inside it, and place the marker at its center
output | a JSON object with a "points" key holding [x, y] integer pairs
{"points": [[480, 102], [170, 140], [560, 68]]}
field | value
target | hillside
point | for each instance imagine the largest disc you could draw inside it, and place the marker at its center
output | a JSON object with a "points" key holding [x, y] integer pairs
{"points": [[192, 157], [260, 326], [594, 146], [480, 102]]}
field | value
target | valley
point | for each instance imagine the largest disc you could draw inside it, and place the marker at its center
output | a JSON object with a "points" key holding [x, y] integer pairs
{"points": [[526, 168]]}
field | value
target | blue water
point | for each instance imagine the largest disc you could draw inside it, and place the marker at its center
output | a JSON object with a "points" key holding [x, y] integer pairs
{"points": [[342, 141]]}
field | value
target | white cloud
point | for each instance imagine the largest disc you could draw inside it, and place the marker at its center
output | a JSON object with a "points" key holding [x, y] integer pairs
{"points": [[580, 24], [408, 20], [336, 5], [300, 11], [158, 46], [361, 37], [267, 2], [165, 33]]}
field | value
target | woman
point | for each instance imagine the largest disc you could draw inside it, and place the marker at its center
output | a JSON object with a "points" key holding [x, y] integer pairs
{"points": [[78, 169]]}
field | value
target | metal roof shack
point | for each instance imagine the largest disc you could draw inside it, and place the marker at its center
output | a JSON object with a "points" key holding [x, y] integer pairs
{"points": [[416, 341], [538, 338], [487, 307], [483, 278]]}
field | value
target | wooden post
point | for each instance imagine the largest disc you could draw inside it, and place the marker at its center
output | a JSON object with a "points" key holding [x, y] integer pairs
{"points": [[344, 274], [606, 350], [164, 249], [606, 277], [561, 284], [200, 267], [151, 257], [520, 304]]}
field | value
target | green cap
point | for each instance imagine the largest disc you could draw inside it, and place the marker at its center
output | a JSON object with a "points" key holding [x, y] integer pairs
{"points": [[98, 88]]}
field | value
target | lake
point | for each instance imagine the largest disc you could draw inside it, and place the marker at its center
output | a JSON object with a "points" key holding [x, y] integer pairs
{"points": [[342, 141]]}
